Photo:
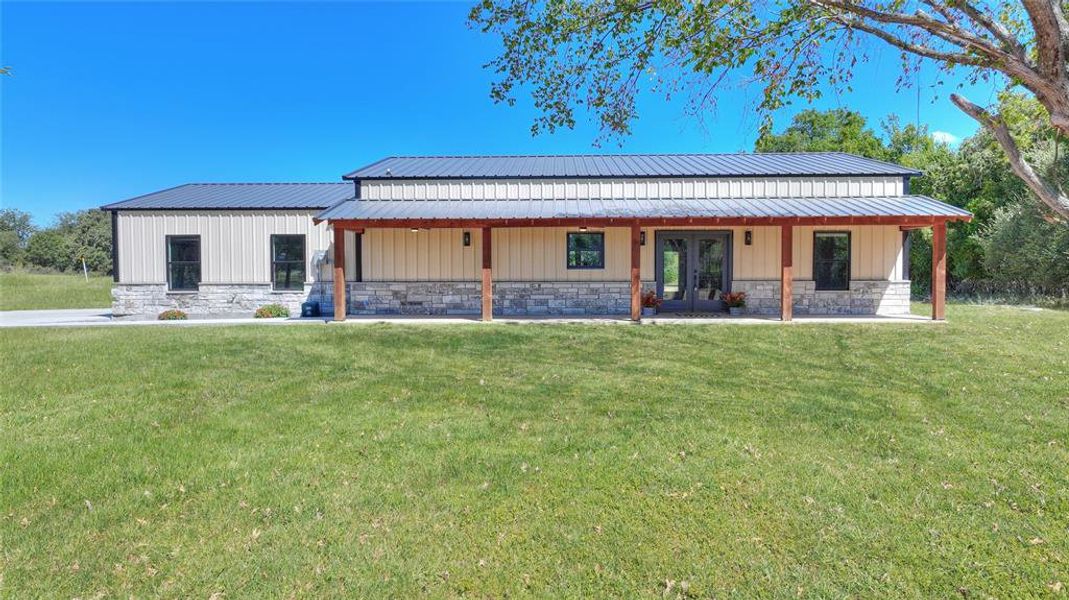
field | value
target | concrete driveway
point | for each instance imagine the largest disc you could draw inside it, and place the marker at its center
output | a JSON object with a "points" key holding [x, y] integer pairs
{"points": [[97, 317], [55, 318]]}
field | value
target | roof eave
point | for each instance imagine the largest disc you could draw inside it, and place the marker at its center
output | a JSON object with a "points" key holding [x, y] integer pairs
{"points": [[352, 177]]}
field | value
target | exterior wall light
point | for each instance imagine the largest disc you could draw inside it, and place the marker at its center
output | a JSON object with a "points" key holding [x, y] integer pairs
{"points": [[642, 238], [748, 237], [467, 238]]}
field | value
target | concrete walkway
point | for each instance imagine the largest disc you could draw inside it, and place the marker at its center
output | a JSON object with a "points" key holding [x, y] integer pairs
{"points": [[102, 317]]}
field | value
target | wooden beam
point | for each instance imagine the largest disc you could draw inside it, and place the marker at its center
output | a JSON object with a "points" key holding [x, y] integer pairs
{"points": [[339, 273], [939, 271], [786, 278], [636, 272], [908, 221], [488, 282]]}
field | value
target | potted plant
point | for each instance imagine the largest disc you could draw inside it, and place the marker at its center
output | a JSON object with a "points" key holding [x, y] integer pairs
{"points": [[735, 301], [650, 303]]}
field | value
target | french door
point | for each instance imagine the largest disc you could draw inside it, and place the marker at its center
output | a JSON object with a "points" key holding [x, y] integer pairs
{"points": [[693, 269]]}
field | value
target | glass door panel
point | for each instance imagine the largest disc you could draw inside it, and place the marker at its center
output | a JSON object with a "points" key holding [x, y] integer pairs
{"points": [[693, 270], [673, 272], [709, 273]]}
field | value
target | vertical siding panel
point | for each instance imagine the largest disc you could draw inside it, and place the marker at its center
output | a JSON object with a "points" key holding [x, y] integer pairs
{"points": [[350, 253], [460, 255]]}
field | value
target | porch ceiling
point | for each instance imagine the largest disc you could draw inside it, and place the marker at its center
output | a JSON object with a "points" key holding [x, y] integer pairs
{"points": [[921, 207]]}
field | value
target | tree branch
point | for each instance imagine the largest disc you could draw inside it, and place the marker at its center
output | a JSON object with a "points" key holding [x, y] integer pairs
{"points": [[945, 31], [912, 48], [1051, 33], [1047, 192], [1000, 32]]}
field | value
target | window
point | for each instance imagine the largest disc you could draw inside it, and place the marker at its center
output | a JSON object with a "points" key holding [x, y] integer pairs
{"points": [[831, 260], [586, 250], [183, 262], [287, 262]]}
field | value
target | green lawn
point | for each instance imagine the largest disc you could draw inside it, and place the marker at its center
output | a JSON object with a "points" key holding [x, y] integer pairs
{"points": [[545, 460], [20, 290]]}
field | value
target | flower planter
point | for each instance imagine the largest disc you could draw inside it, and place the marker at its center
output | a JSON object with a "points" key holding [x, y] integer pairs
{"points": [[735, 311], [649, 311]]}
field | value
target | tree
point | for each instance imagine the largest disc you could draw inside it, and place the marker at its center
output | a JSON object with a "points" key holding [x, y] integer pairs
{"points": [[17, 221], [16, 227], [75, 236], [49, 249], [88, 235], [837, 130], [601, 53]]}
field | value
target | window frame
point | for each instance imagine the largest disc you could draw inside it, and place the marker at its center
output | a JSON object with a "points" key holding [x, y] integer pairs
{"points": [[849, 261], [567, 251], [168, 240], [303, 262]]}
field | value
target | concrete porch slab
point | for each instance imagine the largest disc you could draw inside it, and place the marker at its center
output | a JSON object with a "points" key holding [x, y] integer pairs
{"points": [[103, 318]]}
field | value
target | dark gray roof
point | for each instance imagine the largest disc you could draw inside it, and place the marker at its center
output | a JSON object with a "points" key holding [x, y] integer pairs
{"points": [[240, 196], [910, 206], [628, 165]]}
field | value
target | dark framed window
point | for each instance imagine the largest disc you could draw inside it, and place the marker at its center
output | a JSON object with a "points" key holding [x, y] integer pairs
{"points": [[287, 262], [183, 262], [586, 250], [831, 260]]}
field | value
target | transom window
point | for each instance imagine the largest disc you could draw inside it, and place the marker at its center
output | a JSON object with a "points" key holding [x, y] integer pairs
{"points": [[183, 262], [287, 262], [586, 250], [831, 260]]}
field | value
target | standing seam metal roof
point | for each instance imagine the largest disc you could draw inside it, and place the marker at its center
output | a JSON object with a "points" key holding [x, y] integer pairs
{"points": [[240, 196], [911, 206], [628, 165]]}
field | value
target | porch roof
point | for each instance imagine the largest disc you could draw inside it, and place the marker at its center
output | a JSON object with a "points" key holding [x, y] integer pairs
{"points": [[668, 208]]}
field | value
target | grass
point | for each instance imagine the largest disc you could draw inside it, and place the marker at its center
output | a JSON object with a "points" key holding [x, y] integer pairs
{"points": [[543, 460], [20, 290]]}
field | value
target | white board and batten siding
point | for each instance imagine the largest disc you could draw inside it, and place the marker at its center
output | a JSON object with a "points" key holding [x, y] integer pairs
{"points": [[235, 245], [567, 189], [539, 254]]}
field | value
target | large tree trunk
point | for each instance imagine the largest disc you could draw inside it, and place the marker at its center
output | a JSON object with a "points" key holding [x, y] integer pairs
{"points": [[1047, 192]]}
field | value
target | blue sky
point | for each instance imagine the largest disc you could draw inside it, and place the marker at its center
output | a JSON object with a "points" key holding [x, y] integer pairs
{"points": [[112, 100]]}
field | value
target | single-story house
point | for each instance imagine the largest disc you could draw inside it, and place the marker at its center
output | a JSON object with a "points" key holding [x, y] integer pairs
{"points": [[538, 235]]}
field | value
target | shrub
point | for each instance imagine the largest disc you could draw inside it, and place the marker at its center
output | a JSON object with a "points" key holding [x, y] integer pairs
{"points": [[1022, 251], [734, 299], [173, 315], [650, 300], [272, 311]]}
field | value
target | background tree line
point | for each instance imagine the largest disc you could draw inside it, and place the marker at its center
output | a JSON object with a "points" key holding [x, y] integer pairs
{"points": [[1012, 247], [60, 247]]}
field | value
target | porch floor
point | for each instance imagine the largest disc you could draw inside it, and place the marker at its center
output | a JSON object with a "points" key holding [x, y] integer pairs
{"points": [[661, 319]]}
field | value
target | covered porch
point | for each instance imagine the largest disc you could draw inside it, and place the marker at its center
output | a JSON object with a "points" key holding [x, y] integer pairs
{"points": [[637, 237]]}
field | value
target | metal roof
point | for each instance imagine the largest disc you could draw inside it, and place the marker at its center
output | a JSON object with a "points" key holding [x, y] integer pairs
{"points": [[240, 196], [628, 165], [907, 206]]}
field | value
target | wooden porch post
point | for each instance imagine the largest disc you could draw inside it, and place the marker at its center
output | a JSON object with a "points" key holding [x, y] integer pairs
{"points": [[636, 272], [488, 283], [786, 278], [339, 273], [939, 271]]}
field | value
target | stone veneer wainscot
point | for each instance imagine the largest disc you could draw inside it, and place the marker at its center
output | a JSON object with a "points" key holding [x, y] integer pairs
{"points": [[865, 297], [209, 299], [511, 298]]}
